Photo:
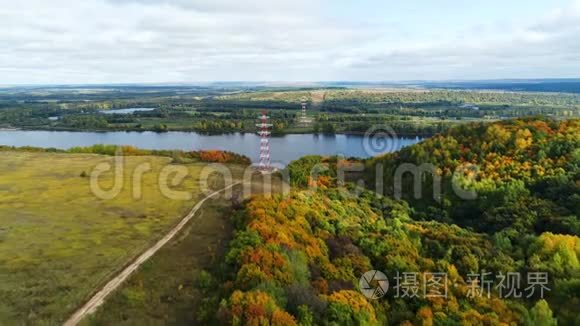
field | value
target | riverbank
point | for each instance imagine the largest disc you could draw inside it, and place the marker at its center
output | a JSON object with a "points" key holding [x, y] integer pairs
{"points": [[284, 148], [294, 131]]}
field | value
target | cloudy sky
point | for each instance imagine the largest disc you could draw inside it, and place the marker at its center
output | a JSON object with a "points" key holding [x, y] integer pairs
{"points": [[135, 41]]}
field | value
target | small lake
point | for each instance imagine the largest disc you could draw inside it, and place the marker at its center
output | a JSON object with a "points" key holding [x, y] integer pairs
{"points": [[126, 111], [283, 149]]}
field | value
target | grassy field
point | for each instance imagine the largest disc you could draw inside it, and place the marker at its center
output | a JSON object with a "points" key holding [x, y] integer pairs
{"points": [[165, 290], [294, 96], [59, 242]]}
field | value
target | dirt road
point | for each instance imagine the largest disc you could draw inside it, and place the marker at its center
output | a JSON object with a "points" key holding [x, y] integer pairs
{"points": [[98, 299]]}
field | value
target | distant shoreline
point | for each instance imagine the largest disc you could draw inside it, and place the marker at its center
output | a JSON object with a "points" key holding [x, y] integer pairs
{"points": [[217, 133]]}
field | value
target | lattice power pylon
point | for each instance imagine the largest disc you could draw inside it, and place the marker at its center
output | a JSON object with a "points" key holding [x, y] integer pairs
{"points": [[264, 132], [304, 121]]}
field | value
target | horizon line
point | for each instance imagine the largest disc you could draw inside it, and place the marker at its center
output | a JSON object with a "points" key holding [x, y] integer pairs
{"points": [[368, 82]]}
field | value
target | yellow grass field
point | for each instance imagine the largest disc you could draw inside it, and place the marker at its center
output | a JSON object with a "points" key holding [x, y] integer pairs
{"points": [[59, 242]]}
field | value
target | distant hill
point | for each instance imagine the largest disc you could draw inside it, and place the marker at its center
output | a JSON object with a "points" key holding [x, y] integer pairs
{"points": [[523, 85], [562, 85], [565, 85]]}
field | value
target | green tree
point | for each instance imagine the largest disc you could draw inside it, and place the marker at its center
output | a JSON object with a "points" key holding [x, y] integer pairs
{"points": [[316, 128], [305, 316], [541, 315], [328, 128]]}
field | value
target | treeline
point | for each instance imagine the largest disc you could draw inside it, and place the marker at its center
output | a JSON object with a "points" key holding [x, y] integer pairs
{"points": [[158, 120], [409, 112], [178, 156], [450, 97], [330, 125]]}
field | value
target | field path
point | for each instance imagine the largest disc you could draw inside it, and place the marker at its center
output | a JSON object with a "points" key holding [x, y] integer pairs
{"points": [[98, 299]]}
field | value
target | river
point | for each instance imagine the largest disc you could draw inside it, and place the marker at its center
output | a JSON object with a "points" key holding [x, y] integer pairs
{"points": [[283, 149]]}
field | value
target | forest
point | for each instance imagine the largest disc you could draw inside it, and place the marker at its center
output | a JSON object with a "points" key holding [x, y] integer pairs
{"points": [[297, 259], [409, 111]]}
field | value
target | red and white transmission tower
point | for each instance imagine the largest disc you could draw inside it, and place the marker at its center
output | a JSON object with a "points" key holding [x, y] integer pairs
{"points": [[264, 132], [303, 120]]}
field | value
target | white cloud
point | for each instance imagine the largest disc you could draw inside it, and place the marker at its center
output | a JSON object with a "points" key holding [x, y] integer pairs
{"points": [[100, 41], [546, 47]]}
